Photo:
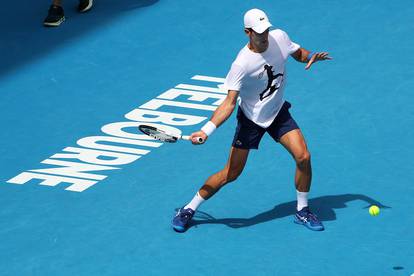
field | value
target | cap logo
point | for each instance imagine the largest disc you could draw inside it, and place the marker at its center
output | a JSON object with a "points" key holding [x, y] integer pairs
{"points": [[262, 18]]}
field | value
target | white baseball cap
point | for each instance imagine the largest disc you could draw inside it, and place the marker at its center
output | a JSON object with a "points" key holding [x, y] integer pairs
{"points": [[257, 20]]}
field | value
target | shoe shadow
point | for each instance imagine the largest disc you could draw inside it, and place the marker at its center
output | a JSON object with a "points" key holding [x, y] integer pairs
{"points": [[324, 207]]}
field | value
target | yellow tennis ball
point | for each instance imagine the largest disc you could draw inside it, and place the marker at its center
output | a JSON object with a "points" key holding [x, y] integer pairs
{"points": [[374, 210]]}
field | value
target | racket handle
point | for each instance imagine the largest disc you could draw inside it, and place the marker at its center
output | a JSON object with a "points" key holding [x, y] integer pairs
{"points": [[199, 139]]}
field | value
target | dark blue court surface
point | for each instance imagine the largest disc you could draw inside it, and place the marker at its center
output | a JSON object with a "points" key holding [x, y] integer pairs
{"points": [[98, 72]]}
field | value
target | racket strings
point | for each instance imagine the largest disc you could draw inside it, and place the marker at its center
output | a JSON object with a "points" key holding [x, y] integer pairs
{"points": [[159, 135]]}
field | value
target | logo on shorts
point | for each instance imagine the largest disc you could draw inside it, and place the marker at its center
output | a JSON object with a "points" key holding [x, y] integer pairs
{"points": [[238, 143]]}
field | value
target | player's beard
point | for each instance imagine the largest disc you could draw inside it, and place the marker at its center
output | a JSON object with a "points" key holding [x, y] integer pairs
{"points": [[260, 44]]}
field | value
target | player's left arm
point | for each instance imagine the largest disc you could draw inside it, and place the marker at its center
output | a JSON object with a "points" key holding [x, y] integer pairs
{"points": [[305, 56]]}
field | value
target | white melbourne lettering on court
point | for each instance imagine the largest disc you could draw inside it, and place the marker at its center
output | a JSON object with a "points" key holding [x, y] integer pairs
{"points": [[116, 147]]}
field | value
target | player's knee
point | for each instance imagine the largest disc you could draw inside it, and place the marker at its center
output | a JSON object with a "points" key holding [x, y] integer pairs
{"points": [[303, 160], [232, 174]]}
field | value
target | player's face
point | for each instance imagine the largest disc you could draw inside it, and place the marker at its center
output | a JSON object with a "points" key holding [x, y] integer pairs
{"points": [[259, 41]]}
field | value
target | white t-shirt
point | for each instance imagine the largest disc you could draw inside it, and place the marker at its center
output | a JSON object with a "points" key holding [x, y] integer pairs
{"points": [[260, 78]]}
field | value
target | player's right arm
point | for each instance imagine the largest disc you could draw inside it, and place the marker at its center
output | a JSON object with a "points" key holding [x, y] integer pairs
{"points": [[220, 115], [225, 109]]}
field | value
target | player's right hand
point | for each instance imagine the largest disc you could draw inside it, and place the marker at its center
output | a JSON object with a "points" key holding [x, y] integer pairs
{"points": [[199, 134]]}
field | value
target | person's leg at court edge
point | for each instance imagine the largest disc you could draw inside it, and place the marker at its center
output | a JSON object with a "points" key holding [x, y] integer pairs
{"points": [[56, 15]]}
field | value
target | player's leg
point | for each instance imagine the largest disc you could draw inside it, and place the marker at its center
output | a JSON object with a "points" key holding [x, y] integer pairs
{"points": [[215, 182], [229, 173], [247, 136], [295, 143], [285, 131]]}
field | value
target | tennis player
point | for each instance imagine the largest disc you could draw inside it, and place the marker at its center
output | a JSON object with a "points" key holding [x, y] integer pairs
{"points": [[258, 77]]}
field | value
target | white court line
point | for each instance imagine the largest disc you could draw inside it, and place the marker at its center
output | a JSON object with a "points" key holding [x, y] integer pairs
{"points": [[201, 88], [207, 78]]}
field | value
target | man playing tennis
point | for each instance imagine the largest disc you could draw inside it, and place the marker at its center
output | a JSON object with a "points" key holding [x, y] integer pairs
{"points": [[258, 77]]}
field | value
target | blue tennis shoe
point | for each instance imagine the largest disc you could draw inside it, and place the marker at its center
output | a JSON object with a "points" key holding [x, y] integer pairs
{"points": [[307, 218], [182, 218]]}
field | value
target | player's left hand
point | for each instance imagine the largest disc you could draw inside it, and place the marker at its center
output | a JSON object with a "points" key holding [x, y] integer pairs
{"points": [[316, 57]]}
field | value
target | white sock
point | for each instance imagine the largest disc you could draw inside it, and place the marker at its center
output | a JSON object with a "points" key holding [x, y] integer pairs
{"points": [[195, 203], [302, 200]]}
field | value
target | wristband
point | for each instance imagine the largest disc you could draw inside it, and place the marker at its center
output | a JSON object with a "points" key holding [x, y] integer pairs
{"points": [[209, 128], [310, 55]]}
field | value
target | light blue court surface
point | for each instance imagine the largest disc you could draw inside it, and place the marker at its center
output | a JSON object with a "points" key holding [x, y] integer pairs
{"points": [[59, 86]]}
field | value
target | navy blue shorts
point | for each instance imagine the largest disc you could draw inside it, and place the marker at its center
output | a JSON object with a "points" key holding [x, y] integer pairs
{"points": [[248, 134]]}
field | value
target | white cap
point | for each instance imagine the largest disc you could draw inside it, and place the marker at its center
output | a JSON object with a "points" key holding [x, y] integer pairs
{"points": [[257, 20]]}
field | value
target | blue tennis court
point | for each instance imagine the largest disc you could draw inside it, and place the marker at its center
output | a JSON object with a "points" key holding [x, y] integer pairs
{"points": [[84, 193]]}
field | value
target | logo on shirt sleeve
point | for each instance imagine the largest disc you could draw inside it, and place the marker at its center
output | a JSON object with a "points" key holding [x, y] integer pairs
{"points": [[273, 82]]}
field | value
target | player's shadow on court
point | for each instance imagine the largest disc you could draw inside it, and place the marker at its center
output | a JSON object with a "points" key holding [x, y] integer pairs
{"points": [[324, 207]]}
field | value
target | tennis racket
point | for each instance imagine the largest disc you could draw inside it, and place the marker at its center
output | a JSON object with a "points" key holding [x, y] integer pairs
{"points": [[164, 135]]}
